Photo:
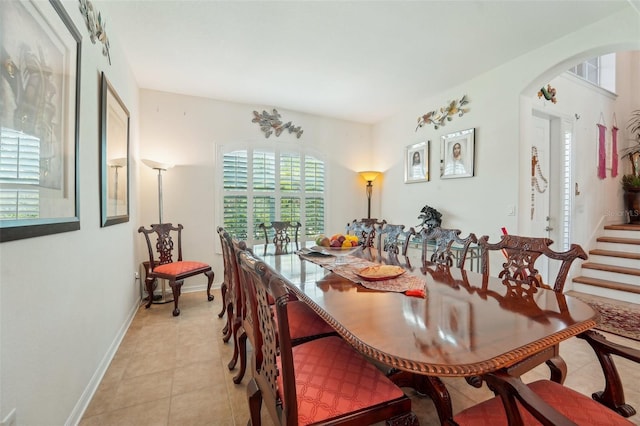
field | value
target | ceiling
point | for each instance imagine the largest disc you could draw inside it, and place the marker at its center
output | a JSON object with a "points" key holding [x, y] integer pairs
{"points": [[353, 60]]}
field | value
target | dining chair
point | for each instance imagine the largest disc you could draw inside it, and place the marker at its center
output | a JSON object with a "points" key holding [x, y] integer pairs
{"points": [[304, 323], [393, 244], [323, 381], [280, 234], [443, 240], [365, 230], [165, 267], [550, 403], [233, 297], [521, 254]]}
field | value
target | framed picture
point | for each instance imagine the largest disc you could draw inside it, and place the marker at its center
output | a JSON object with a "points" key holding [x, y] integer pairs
{"points": [[39, 111], [416, 162], [114, 156], [457, 154]]}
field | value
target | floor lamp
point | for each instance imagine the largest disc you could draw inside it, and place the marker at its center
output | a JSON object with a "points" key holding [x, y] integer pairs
{"points": [[160, 167], [369, 177]]}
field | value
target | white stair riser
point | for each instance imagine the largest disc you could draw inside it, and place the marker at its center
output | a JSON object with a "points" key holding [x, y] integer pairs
{"points": [[605, 292], [611, 276], [619, 233], [628, 248], [615, 261]]}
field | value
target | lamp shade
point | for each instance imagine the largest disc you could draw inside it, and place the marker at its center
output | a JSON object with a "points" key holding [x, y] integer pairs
{"points": [[370, 176], [118, 162], [156, 165]]}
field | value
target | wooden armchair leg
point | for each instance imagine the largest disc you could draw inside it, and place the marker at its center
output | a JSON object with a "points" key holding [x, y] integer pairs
{"points": [[255, 403], [234, 357], [209, 275], [242, 347], [175, 288], [228, 329], [223, 290], [558, 369], [149, 284]]}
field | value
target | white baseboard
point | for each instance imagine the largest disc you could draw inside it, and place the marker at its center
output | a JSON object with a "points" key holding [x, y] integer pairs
{"points": [[92, 386]]}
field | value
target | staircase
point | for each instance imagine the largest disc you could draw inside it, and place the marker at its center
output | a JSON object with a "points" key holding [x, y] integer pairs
{"points": [[613, 267]]}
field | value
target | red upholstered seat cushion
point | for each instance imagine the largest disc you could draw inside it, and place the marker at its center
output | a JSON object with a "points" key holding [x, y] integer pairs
{"points": [[304, 322], [574, 405], [333, 379], [178, 268]]}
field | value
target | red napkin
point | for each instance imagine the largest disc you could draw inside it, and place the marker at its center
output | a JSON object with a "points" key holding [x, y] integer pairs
{"points": [[415, 293]]}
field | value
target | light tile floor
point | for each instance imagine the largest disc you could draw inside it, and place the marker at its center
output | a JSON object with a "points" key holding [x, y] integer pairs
{"points": [[173, 371]]}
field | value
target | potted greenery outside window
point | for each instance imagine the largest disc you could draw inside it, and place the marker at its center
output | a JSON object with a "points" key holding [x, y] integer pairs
{"points": [[631, 182]]}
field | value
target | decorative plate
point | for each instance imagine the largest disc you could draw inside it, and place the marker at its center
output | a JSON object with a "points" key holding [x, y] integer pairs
{"points": [[380, 272]]}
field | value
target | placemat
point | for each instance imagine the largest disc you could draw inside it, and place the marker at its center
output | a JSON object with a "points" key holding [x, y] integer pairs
{"points": [[353, 264]]}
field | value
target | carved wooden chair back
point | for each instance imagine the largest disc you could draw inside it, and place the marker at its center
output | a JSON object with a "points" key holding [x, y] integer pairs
{"points": [[393, 239], [280, 233], [444, 239], [521, 254], [275, 381], [165, 261], [365, 230]]}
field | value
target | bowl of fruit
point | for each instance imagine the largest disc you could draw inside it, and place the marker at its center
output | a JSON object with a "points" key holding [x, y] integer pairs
{"points": [[339, 245]]}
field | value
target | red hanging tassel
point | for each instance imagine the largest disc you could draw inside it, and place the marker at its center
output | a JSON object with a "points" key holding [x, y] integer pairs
{"points": [[602, 154], [614, 151]]}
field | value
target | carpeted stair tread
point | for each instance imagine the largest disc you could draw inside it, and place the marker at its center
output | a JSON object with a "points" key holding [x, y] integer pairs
{"points": [[619, 240], [612, 285], [613, 253], [611, 268]]}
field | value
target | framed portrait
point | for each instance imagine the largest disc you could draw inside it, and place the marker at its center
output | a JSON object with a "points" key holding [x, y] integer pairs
{"points": [[416, 162], [39, 115], [114, 156], [457, 154]]}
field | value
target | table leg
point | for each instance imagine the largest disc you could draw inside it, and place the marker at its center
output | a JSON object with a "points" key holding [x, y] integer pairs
{"points": [[427, 385]]}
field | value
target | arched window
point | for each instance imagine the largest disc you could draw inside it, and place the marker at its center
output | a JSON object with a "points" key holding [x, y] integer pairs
{"points": [[267, 184]]}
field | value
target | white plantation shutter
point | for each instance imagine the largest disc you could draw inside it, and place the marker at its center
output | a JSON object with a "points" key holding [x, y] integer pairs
{"points": [[20, 175], [264, 185]]}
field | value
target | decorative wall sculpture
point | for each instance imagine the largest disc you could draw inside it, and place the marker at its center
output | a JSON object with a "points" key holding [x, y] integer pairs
{"points": [[271, 123], [96, 26], [446, 113]]}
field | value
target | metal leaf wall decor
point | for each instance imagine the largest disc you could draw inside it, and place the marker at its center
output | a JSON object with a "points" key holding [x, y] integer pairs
{"points": [[96, 26], [271, 123], [446, 113]]}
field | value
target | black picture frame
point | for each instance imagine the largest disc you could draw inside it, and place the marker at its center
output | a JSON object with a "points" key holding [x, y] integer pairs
{"points": [[114, 156], [40, 54]]}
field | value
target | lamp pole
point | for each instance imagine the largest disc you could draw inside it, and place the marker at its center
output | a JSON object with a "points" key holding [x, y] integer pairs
{"points": [[369, 191], [160, 194]]}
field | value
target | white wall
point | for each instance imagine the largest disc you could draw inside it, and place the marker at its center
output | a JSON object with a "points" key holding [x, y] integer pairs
{"points": [[480, 204], [187, 130], [65, 299]]}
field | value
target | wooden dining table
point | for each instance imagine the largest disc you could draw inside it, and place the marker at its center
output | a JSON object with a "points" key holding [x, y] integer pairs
{"points": [[462, 323]]}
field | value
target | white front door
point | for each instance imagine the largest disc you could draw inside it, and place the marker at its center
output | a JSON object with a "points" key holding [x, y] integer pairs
{"points": [[542, 220]]}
